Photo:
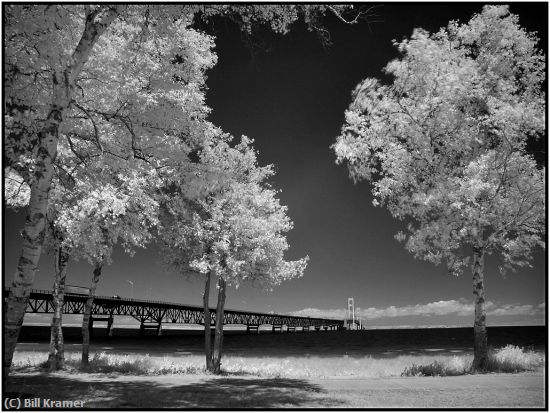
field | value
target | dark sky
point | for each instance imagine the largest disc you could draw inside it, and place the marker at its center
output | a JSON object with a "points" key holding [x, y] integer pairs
{"points": [[291, 100]]}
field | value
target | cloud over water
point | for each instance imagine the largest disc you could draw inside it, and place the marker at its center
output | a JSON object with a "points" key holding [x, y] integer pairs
{"points": [[440, 312]]}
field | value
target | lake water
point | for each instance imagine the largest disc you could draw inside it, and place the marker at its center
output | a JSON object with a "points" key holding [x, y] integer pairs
{"points": [[383, 343]]}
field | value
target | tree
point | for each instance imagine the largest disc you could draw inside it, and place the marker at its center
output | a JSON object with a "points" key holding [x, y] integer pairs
{"points": [[56, 357], [43, 141], [124, 80], [236, 231], [444, 146], [121, 211], [17, 195]]}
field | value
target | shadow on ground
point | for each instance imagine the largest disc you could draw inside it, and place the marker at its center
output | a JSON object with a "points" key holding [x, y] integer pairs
{"points": [[215, 392]]}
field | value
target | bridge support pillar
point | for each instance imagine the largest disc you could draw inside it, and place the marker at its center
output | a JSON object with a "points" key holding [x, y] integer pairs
{"points": [[252, 327], [317, 328], [325, 328], [110, 323], [105, 319]]}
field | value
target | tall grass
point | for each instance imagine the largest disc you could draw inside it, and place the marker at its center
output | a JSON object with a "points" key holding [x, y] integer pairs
{"points": [[102, 362], [454, 367], [508, 359], [512, 359], [269, 366]]}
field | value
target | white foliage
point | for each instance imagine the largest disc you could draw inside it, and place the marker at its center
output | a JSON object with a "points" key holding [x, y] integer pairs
{"points": [[237, 230], [17, 192], [444, 145]]}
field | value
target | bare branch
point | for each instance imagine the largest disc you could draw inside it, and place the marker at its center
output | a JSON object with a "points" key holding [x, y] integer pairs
{"points": [[362, 14], [96, 133]]}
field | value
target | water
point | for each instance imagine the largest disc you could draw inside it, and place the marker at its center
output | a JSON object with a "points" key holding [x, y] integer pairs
{"points": [[383, 343]]}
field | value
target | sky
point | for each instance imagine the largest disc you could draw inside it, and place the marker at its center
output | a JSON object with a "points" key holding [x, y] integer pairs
{"points": [[291, 100]]}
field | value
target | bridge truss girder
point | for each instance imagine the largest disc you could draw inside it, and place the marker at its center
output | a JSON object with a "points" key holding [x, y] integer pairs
{"points": [[41, 301]]}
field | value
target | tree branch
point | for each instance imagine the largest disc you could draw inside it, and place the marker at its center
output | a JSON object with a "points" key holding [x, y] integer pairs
{"points": [[96, 133]]}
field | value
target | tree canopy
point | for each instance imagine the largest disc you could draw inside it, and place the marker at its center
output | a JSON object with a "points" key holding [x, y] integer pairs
{"points": [[444, 144], [236, 230]]}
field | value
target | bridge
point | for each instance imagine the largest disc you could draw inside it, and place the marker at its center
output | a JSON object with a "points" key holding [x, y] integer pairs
{"points": [[152, 314]]}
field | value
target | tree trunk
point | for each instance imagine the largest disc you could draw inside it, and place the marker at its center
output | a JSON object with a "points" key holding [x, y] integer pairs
{"points": [[35, 223], [480, 331], [33, 236], [207, 329], [218, 339], [57, 353], [87, 315]]}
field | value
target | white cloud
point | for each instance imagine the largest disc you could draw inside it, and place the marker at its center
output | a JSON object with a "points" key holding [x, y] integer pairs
{"points": [[516, 309], [317, 313], [460, 307]]}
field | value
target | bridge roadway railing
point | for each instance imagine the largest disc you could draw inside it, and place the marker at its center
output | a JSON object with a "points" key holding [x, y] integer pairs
{"points": [[153, 313]]}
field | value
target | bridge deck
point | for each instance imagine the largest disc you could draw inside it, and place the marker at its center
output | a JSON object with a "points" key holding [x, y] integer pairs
{"points": [[149, 312]]}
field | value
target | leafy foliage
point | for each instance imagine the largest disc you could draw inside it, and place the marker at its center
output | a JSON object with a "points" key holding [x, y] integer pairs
{"points": [[94, 216], [136, 112], [444, 145], [236, 230]]}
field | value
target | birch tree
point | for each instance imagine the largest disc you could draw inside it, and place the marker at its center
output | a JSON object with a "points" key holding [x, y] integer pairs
{"points": [[235, 232], [444, 147], [34, 144], [17, 195]]}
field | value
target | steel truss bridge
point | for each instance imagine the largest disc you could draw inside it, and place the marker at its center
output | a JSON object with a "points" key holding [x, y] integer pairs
{"points": [[152, 314]]}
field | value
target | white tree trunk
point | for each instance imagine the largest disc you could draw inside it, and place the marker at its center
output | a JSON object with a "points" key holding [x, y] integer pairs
{"points": [[218, 339], [88, 314], [33, 236], [35, 224], [480, 330], [56, 357]]}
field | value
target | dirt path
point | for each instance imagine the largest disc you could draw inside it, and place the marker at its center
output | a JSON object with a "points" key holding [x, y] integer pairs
{"points": [[193, 391], [479, 391]]}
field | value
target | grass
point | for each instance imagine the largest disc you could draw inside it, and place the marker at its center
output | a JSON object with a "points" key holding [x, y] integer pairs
{"points": [[512, 359], [110, 363], [507, 359], [268, 367]]}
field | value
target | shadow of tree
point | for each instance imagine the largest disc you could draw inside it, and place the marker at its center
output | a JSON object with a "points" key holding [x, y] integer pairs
{"points": [[206, 392]]}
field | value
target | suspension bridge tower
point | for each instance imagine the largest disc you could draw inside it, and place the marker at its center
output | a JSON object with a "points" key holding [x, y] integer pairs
{"points": [[353, 321], [350, 321]]}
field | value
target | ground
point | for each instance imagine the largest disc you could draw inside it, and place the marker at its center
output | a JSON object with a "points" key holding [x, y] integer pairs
{"points": [[276, 371], [205, 391]]}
